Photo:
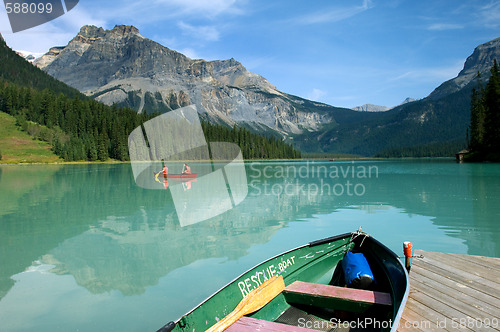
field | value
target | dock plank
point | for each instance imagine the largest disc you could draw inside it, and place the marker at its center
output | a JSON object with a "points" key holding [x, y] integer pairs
{"points": [[494, 262], [482, 301], [451, 292], [427, 317], [487, 262], [457, 261], [413, 321], [456, 306], [452, 314], [464, 274], [461, 277]]}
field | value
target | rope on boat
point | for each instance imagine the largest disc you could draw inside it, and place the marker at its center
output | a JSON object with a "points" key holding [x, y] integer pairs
{"points": [[359, 232]]}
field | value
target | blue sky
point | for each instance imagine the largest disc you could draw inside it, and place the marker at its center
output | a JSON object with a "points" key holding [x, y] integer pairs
{"points": [[342, 52]]}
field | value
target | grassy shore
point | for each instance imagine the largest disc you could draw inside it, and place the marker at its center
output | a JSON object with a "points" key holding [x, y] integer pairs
{"points": [[17, 146]]}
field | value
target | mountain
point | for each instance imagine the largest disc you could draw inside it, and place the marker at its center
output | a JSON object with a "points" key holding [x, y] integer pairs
{"points": [[378, 108], [29, 56], [480, 62], [370, 108], [15, 69], [80, 128], [121, 66], [408, 100], [438, 122]]}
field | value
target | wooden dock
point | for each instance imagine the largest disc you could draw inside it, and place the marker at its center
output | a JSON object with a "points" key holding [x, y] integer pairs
{"points": [[450, 292]]}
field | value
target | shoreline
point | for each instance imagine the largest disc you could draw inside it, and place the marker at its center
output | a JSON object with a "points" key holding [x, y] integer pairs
{"points": [[110, 162]]}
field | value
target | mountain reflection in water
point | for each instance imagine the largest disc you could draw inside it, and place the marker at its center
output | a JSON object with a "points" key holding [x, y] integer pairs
{"points": [[91, 222]]}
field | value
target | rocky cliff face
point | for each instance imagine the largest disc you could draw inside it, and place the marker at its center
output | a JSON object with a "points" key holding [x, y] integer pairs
{"points": [[480, 61], [121, 66]]}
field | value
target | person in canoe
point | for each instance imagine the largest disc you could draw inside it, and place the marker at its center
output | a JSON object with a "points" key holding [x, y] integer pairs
{"points": [[164, 171], [186, 169]]}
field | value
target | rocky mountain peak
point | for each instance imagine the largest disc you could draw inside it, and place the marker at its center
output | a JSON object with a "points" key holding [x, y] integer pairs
{"points": [[120, 66], [123, 30], [480, 61], [482, 58], [91, 31], [224, 64], [88, 34], [408, 100]]}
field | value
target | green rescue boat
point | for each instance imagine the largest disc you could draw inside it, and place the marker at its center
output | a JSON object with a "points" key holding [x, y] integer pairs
{"points": [[349, 282]]}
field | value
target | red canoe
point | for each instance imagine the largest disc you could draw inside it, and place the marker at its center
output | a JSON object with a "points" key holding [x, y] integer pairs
{"points": [[182, 176], [177, 176]]}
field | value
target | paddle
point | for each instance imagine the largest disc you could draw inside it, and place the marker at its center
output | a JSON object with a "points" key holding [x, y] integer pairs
{"points": [[158, 173], [254, 300], [156, 176]]}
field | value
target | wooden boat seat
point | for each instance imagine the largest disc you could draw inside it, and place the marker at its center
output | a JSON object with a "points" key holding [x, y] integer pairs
{"points": [[333, 297], [247, 324]]}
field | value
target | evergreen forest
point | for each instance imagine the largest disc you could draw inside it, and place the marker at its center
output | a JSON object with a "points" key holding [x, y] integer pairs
{"points": [[484, 130]]}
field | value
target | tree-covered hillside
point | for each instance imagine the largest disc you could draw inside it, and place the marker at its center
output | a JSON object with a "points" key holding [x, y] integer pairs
{"points": [[15, 69], [421, 128]]}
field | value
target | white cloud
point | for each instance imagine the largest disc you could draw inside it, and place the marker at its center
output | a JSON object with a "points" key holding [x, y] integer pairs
{"points": [[41, 38], [431, 74], [190, 53], [206, 33], [79, 17], [206, 8], [490, 14], [335, 14], [4, 23], [253, 63], [316, 94], [444, 26], [105, 14]]}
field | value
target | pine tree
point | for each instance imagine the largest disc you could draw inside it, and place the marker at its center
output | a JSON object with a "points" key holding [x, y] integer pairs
{"points": [[492, 106], [92, 150], [102, 149], [477, 129], [484, 127]]}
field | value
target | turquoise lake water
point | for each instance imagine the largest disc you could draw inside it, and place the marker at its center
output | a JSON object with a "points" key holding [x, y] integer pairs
{"points": [[83, 248]]}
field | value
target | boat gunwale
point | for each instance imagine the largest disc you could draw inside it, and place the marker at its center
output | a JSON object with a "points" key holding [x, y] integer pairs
{"points": [[402, 305]]}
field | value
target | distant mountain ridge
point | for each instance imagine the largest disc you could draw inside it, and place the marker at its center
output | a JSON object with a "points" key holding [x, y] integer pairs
{"points": [[29, 56], [379, 108], [370, 108], [123, 67]]}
